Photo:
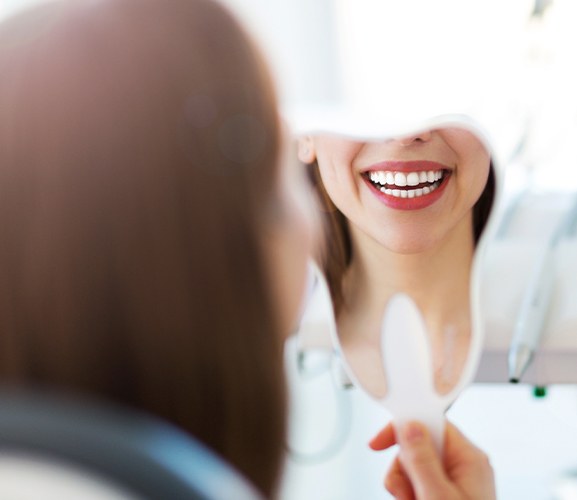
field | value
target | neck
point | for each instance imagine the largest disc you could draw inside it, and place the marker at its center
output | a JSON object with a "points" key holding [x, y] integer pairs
{"points": [[437, 278]]}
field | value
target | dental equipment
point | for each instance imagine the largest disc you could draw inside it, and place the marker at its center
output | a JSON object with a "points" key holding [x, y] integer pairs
{"points": [[536, 302], [536, 344]]}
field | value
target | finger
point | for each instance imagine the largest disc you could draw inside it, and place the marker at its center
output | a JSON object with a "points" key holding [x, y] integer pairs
{"points": [[384, 439], [456, 444], [421, 462], [397, 483], [459, 450], [462, 455]]}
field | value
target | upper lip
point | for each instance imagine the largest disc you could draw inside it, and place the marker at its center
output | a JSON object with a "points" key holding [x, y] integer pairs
{"points": [[406, 166]]}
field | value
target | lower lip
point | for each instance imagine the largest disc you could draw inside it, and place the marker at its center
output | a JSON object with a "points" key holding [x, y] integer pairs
{"points": [[416, 203]]}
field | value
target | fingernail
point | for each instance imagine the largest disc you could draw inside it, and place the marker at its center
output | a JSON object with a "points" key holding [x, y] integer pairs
{"points": [[412, 433], [373, 442], [393, 488]]}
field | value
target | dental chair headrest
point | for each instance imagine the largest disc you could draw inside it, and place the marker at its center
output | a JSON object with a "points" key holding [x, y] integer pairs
{"points": [[136, 453]]}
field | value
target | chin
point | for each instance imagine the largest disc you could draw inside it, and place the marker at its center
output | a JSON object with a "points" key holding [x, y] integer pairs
{"points": [[410, 246]]}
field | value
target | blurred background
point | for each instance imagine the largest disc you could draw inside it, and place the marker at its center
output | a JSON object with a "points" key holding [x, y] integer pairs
{"points": [[514, 64]]}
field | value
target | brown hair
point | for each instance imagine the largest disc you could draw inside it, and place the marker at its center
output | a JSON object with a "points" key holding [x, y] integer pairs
{"points": [[138, 150], [336, 250]]}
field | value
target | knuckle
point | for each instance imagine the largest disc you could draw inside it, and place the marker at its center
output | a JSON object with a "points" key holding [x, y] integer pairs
{"points": [[422, 456]]}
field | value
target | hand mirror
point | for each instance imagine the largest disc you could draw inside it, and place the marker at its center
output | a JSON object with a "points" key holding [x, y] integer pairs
{"points": [[405, 220]]}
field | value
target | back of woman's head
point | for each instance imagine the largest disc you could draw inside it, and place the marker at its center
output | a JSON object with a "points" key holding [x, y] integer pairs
{"points": [[138, 149]]}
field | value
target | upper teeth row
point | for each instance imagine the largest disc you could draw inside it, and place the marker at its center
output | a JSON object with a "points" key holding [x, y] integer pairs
{"points": [[402, 179]]}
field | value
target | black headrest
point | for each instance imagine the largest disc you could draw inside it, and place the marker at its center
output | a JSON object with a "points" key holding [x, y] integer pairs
{"points": [[137, 452]]}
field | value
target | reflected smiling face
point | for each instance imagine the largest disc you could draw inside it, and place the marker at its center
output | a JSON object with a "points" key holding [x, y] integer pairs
{"points": [[409, 193]]}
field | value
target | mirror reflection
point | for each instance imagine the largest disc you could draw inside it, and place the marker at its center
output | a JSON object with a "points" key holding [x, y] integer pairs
{"points": [[401, 215]]}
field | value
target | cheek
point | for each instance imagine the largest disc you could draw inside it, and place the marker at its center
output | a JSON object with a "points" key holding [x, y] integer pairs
{"points": [[477, 180], [336, 159], [291, 249], [339, 184], [293, 237], [474, 159]]}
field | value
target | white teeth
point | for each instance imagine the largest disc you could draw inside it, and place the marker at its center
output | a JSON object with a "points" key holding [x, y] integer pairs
{"points": [[413, 179], [410, 193], [400, 179]]}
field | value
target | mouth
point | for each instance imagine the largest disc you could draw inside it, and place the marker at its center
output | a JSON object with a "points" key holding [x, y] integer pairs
{"points": [[415, 186], [407, 185]]}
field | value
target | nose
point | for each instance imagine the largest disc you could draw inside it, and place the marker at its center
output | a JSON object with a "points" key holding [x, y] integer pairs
{"points": [[420, 137]]}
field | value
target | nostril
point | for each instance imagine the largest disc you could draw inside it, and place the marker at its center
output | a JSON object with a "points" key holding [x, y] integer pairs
{"points": [[416, 138]]}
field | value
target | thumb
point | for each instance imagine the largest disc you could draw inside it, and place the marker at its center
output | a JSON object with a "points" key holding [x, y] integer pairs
{"points": [[421, 462]]}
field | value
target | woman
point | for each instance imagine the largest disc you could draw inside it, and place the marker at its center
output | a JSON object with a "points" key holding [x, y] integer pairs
{"points": [[403, 215], [145, 222], [153, 252]]}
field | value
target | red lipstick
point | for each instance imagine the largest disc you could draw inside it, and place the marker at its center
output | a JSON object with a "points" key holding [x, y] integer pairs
{"points": [[407, 185]]}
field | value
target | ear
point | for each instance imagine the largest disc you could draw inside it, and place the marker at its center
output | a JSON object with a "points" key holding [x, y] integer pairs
{"points": [[306, 149]]}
